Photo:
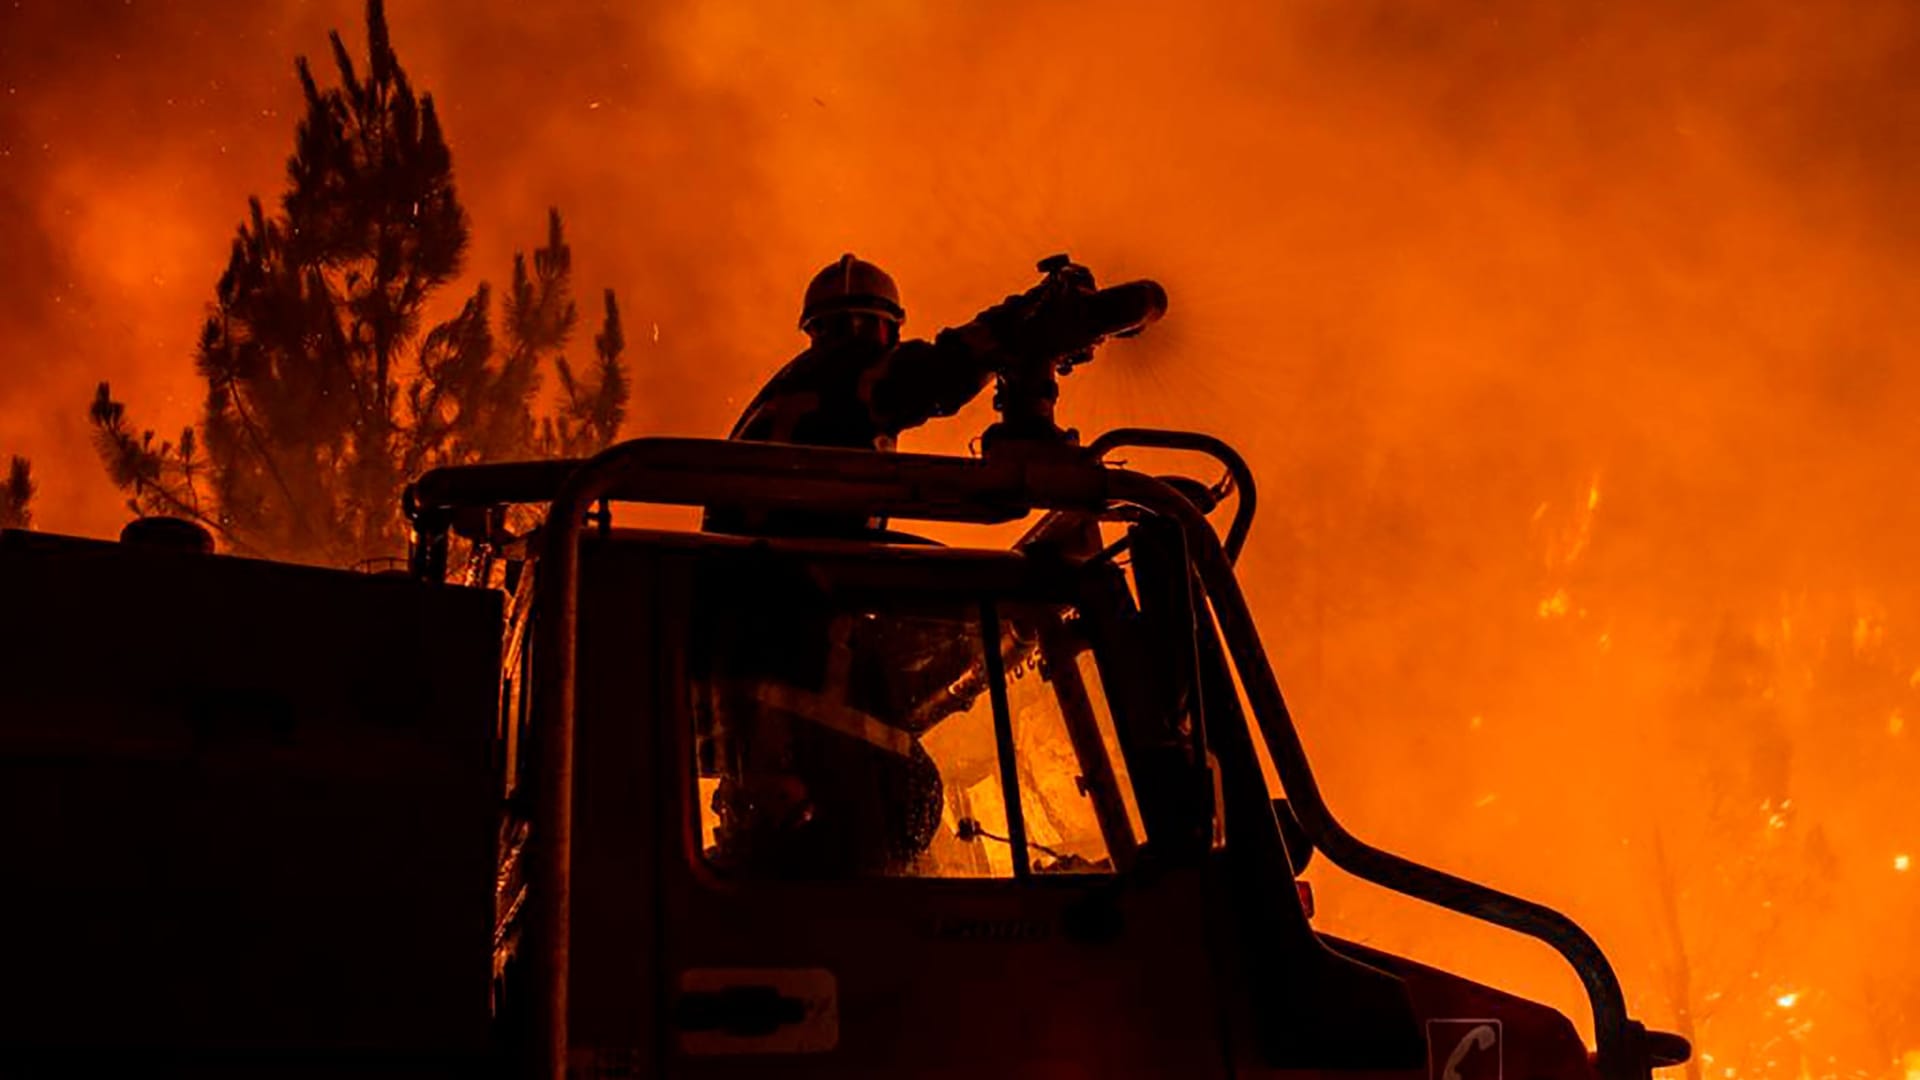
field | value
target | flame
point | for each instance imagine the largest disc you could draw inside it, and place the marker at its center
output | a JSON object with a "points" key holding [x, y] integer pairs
{"points": [[1867, 634]]}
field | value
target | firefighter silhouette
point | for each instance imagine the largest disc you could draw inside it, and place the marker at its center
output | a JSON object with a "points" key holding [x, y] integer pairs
{"points": [[857, 385], [809, 713]]}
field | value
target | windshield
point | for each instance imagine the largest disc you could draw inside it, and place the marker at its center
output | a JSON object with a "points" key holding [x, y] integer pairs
{"points": [[855, 737]]}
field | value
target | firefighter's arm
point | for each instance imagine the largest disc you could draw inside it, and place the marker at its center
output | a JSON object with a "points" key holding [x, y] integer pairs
{"points": [[920, 380]]}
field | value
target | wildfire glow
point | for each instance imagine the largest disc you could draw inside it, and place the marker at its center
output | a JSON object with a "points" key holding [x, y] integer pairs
{"points": [[1440, 273]]}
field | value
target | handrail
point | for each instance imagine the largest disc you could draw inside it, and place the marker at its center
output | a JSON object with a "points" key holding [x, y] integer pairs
{"points": [[1215, 448], [1621, 1042], [707, 472], [711, 471]]}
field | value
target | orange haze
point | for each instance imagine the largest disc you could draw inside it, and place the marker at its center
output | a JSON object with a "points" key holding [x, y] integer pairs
{"points": [[1567, 339]]}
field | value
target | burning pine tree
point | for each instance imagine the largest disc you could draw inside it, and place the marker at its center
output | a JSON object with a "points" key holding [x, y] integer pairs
{"points": [[323, 395]]}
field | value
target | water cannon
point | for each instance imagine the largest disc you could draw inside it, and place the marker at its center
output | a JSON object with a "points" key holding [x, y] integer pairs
{"points": [[1048, 331]]}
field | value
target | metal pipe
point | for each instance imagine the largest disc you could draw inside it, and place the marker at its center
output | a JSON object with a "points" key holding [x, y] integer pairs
{"points": [[700, 472], [1217, 449], [557, 585], [1003, 739], [556, 649]]}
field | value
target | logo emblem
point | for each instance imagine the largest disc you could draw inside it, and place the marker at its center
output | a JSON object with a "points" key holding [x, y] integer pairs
{"points": [[1464, 1050]]}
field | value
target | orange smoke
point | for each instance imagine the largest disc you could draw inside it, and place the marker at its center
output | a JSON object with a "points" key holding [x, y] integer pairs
{"points": [[1568, 340]]}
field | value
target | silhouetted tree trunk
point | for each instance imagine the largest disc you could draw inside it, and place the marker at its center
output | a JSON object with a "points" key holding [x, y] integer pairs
{"points": [[16, 496], [324, 395]]}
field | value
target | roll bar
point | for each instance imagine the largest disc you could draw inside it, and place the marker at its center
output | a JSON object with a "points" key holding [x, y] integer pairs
{"points": [[1239, 476]]}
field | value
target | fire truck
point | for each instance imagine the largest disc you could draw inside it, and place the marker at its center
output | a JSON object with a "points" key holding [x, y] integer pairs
{"points": [[614, 801]]}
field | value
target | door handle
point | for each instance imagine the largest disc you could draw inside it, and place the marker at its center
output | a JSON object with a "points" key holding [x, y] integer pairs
{"points": [[742, 1012]]}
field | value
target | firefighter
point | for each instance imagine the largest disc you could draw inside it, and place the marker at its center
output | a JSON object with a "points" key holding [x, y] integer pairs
{"points": [[809, 714], [858, 386]]}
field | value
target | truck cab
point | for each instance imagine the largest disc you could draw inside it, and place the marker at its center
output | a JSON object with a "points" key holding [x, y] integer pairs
{"points": [[868, 805]]}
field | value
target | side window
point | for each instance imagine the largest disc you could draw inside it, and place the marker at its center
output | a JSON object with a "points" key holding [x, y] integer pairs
{"points": [[511, 744], [1088, 672], [1076, 803], [516, 690], [844, 738], [973, 835]]}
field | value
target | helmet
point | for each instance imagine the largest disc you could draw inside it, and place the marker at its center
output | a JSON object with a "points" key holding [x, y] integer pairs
{"points": [[852, 285]]}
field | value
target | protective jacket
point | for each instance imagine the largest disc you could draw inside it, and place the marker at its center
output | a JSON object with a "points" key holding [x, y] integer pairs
{"points": [[862, 394], [859, 394]]}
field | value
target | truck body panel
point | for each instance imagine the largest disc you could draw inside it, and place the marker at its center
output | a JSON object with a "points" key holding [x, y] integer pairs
{"points": [[252, 813]]}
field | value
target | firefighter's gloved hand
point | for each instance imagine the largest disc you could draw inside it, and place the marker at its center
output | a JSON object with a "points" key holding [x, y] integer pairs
{"points": [[1046, 322], [1004, 316]]}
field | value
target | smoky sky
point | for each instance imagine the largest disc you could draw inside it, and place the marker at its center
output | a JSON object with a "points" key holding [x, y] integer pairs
{"points": [[1571, 342], [1716, 197]]}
